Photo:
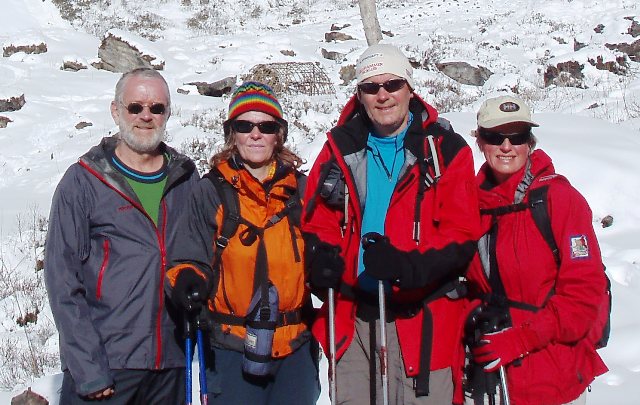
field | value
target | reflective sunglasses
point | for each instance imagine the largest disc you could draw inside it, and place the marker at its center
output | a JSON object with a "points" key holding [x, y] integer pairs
{"points": [[155, 108], [390, 86], [245, 127], [496, 138]]}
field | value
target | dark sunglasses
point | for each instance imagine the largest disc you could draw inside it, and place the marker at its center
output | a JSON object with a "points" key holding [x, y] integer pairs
{"points": [[155, 108], [496, 138], [266, 127], [390, 86]]}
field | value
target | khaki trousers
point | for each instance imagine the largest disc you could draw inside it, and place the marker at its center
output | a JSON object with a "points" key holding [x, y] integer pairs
{"points": [[353, 370]]}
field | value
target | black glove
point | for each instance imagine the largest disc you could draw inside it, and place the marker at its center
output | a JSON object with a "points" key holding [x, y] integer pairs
{"points": [[325, 265], [382, 260], [190, 291]]}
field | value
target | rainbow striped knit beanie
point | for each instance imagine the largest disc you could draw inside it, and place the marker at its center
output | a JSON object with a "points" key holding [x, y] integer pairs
{"points": [[254, 96]]}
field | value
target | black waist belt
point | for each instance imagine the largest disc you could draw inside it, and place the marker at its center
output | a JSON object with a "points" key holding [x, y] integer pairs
{"points": [[502, 301], [284, 318]]}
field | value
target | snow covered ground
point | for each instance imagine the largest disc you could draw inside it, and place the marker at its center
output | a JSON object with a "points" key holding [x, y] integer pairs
{"points": [[592, 133]]}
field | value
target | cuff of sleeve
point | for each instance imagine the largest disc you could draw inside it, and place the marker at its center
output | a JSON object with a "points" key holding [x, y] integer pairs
{"points": [[531, 339], [93, 386], [172, 273]]}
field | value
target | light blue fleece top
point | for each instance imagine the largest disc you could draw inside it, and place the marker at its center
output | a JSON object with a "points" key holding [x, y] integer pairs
{"points": [[385, 157]]}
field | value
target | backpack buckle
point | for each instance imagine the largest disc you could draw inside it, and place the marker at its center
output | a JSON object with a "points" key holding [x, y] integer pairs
{"points": [[222, 242]]}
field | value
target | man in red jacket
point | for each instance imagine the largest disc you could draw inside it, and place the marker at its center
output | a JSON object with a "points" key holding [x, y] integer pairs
{"points": [[394, 171]]}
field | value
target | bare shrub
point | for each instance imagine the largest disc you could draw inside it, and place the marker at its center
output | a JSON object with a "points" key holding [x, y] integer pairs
{"points": [[446, 95], [24, 353]]}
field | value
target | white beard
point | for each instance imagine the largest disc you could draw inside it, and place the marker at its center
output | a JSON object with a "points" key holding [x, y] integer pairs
{"points": [[139, 144]]}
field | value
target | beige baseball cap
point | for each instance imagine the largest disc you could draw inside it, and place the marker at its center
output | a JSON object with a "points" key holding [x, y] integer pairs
{"points": [[504, 110], [384, 58]]}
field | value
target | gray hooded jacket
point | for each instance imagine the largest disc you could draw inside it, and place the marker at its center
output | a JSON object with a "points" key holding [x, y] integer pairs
{"points": [[105, 261]]}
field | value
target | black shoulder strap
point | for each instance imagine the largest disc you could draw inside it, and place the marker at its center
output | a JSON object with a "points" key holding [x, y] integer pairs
{"points": [[230, 212], [540, 212], [538, 205], [430, 173]]}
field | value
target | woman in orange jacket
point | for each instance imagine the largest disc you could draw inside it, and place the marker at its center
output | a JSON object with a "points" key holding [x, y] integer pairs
{"points": [[252, 279]]}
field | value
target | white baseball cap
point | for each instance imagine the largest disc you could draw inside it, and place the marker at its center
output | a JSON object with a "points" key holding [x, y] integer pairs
{"points": [[383, 58], [504, 110]]}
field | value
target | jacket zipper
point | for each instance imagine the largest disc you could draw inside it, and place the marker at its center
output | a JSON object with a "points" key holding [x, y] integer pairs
{"points": [[103, 267], [163, 262], [163, 255]]}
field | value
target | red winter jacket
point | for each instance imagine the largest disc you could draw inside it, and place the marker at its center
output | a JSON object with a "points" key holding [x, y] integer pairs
{"points": [[448, 230], [566, 362]]}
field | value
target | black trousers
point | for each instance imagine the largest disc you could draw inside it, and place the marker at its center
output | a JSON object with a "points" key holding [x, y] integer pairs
{"points": [[134, 387]]}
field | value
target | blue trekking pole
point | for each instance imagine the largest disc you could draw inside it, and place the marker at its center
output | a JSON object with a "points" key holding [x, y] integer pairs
{"points": [[189, 358], [204, 395]]}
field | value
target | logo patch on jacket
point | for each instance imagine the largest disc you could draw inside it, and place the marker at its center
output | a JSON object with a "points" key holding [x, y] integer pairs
{"points": [[579, 247]]}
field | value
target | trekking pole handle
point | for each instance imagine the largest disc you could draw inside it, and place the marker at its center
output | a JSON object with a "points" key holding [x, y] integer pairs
{"points": [[370, 238]]}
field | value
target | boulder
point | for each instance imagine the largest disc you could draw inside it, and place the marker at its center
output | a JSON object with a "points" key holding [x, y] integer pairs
{"points": [[634, 29], [335, 36], [564, 74], [118, 55], [632, 50], [215, 89], [464, 73], [72, 66], [29, 397], [4, 121], [336, 27], [12, 103], [9, 50], [332, 55], [83, 124], [618, 66]]}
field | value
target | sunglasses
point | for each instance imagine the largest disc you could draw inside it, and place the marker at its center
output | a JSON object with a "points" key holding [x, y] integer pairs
{"points": [[496, 138], [391, 86], [265, 127], [155, 108]]}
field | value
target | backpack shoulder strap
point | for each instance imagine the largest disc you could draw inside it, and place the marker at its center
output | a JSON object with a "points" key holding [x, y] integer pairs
{"points": [[230, 210], [538, 204]]}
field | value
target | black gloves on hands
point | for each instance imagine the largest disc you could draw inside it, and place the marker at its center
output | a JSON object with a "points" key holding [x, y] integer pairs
{"points": [[382, 261], [325, 265], [190, 291]]}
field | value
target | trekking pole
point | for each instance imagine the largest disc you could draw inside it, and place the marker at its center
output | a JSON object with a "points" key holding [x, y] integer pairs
{"points": [[204, 394], [368, 239], [503, 384], [189, 358], [383, 345], [332, 346]]}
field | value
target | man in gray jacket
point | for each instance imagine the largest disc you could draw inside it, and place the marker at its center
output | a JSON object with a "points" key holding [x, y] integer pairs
{"points": [[112, 223]]}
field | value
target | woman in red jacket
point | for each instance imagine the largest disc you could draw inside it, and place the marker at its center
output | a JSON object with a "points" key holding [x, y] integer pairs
{"points": [[533, 310]]}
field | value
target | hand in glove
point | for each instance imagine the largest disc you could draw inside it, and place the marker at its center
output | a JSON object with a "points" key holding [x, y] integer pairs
{"points": [[498, 349], [382, 260], [189, 291], [325, 265]]}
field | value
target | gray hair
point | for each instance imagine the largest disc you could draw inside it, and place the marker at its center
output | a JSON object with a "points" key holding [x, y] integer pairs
{"points": [[145, 72]]}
